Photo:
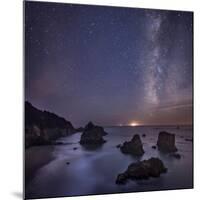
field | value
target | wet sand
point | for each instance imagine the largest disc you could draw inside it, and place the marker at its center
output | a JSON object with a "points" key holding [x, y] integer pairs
{"points": [[94, 171], [35, 158]]}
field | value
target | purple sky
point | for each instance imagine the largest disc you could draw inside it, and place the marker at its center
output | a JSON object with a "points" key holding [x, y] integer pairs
{"points": [[109, 65]]}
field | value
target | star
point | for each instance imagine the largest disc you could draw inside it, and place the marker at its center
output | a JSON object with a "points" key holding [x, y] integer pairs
{"points": [[108, 61]]}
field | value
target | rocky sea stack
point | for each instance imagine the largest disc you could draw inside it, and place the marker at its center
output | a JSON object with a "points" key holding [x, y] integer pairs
{"points": [[92, 135], [133, 147], [142, 170], [166, 142]]}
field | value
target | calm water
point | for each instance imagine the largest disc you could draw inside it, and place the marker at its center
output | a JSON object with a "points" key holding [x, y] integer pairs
{"points": [[95, 171]]}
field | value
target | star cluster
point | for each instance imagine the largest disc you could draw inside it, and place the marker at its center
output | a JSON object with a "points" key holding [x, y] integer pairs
{"points": [[110, 65]]}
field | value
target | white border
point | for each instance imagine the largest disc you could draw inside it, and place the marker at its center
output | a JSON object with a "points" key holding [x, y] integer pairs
{"points": [[11, 99], [170, 4]]}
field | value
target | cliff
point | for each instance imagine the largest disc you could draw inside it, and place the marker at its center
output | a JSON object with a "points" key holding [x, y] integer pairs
{"points": [[42, 127]]}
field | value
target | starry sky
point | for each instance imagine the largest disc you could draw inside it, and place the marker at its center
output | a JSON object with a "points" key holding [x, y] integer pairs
{"points": [[109, 65]]}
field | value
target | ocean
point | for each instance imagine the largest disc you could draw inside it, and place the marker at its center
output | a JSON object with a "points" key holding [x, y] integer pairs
{"points": [[94, 170]]}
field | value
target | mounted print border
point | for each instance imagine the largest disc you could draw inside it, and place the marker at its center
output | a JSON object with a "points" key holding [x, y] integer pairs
{"points": [[108, 99]]}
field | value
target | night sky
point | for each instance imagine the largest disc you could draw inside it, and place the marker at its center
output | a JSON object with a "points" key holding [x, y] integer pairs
{"points": [[109, 65]]}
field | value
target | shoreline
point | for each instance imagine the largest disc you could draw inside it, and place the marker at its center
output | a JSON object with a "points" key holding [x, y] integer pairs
{"points": [[35, 158]]}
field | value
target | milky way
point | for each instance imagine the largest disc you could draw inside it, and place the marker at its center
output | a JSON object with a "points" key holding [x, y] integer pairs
{"points": [[165, 74], [109, 65]]}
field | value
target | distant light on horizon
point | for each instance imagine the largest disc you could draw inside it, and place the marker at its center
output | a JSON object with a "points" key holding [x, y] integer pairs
{"points": [[134, 123], [140, 70]]}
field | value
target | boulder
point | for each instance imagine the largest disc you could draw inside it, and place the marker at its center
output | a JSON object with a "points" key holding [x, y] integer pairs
{"points": [[58, 143], [142, 170], [189, 139], [118, 146], [133, 147], [166, 142], [143, 135], [92, 135], [176, 155]]}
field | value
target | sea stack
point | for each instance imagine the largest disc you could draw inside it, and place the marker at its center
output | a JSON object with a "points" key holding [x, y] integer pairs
{"points": [[142, 170], [133, 147], [166, 142], [93, 135]]}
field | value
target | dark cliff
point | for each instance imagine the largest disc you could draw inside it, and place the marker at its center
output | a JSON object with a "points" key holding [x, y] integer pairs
{"points": [[42, 127]]}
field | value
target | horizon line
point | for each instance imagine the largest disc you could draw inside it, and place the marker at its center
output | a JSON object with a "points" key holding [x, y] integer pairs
{"points": [[149, 125]]}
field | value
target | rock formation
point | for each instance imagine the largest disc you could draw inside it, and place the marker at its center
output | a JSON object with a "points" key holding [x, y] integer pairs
{"points": [[142, 170], [92, 134], [133, 147], [118, 146], [42, 127], [143, 135], [189, 139], [166, 142], [153, 147], [176, 155], [80, 129]]}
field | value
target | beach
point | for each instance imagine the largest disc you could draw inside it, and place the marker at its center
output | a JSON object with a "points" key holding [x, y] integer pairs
{"points": [[35, 158], [70, 170]]}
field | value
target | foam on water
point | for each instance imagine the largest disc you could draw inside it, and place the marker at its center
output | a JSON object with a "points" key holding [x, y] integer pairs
{"points": [[95, 171]]}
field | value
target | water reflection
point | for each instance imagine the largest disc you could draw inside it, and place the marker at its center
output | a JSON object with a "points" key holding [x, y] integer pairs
{"points": [[93, 169]]}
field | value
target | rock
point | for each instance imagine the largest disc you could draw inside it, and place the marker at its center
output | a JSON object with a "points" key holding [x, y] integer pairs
{"points": [[92, 135], [189, 140], [34, 140], [45, 119], [92, 147], [153, 147], [75, 148], [118, 146], [89, 126], [166, 142], [80, 129], [58, 143], [143, 135], [142, 170], [176, 155], [122, 178], [43, 127], [133, 147]]}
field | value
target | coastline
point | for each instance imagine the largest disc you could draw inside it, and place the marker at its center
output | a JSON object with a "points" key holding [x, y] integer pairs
{"points": [[94, 166], [35, 158]]}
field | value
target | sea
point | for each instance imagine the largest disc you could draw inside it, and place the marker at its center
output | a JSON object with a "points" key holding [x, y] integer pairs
{"points": [[75, 170]]}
